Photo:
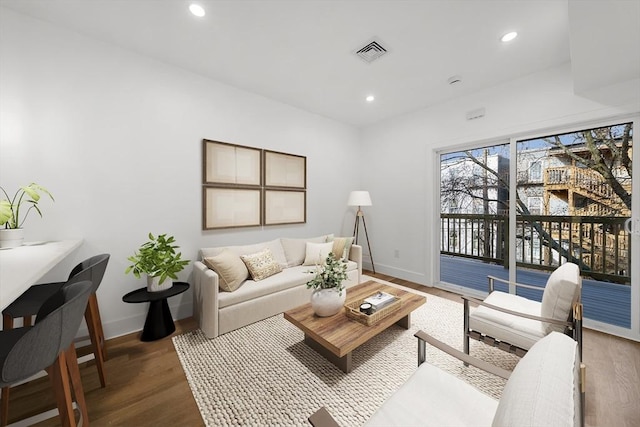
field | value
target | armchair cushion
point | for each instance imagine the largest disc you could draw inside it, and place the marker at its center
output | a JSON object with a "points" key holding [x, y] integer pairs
{"points": [[507, 327], [562, 291], [542, 388]]}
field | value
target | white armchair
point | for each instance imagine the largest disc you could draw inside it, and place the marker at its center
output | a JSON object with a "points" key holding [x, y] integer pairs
{"points": [[514, 323]]}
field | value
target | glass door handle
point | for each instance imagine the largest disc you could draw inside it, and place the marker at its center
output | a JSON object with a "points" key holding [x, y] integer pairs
{"points": [[632, 226]]}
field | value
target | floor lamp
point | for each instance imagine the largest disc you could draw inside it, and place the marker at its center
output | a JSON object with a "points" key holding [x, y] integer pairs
{"points": [[359, 199]]}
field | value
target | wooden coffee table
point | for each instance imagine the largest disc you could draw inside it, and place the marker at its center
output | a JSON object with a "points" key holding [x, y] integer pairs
{"points": [[336, 337]]}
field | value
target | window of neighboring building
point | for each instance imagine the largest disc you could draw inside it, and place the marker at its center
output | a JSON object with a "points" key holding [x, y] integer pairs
{"points": [[535, 171], [535, 205]]}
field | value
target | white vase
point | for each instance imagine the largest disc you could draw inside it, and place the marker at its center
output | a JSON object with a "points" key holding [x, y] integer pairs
{"points": [[327, 302], [154, 285], [11, 237]]}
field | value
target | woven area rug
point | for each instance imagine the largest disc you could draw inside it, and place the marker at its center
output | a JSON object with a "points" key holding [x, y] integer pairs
{"points": [[264, 374]]}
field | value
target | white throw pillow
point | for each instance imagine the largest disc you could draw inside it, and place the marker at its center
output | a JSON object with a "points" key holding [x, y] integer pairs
{"points": [[295, 249], [317, 253], [261, 265], [562, 290]]}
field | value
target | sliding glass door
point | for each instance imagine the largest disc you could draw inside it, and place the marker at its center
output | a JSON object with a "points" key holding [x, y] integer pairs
{"points": [[474, 220], [572, 202]]}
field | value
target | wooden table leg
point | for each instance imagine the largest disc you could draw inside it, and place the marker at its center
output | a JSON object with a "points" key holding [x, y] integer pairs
{"points": [[344, 362]]}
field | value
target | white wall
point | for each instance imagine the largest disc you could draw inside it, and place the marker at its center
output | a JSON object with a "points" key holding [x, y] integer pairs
{"points": [[116, 137], [400, 157]]}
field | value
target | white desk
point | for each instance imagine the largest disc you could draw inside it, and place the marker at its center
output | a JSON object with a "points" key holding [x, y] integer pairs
{"points": [[23, 266]]}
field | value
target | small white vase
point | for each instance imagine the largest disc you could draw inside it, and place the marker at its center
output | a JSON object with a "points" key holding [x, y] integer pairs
{"points": [[327, 302], [11, 237], [153, 284]]}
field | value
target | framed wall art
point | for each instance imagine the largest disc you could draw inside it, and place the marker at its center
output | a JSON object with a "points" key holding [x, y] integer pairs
{"points": [[225, 207], [284, 170], [285, 207], [231, 164]]}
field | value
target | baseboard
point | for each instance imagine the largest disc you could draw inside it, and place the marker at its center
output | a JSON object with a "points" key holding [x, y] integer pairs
{"points": [[399, 273]]}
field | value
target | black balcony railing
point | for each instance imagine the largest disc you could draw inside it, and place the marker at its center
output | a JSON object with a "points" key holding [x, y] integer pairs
{"points": [[599, 245]]}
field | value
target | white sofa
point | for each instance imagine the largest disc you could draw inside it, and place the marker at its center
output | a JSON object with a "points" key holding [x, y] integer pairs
{"points": [[219, 312]]}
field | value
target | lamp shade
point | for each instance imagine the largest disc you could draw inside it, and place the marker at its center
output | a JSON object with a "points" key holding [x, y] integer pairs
{"points": [[359, 198]]}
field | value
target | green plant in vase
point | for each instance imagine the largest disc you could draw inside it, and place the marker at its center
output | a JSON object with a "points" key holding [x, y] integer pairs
{"points": [[158, 259]]}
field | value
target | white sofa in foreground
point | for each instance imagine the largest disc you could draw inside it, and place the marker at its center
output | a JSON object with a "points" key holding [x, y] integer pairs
{"points": [[245, 300], [546, 388]]}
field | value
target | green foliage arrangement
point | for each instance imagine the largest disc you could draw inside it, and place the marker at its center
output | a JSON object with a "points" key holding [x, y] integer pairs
{"points": [[28, 195], [157, 258], [330, 275]]}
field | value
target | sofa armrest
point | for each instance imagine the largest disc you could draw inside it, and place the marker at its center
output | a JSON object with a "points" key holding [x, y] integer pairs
{"points": [[205, 299], [355, 255]]}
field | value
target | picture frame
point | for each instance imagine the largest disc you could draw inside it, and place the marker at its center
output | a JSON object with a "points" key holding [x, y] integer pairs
{"points": [[285, 207], [228, 207], [284, 170], [231, 164]]}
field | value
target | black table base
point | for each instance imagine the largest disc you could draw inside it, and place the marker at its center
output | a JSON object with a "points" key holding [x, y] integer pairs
{"points": [[159, 322]]}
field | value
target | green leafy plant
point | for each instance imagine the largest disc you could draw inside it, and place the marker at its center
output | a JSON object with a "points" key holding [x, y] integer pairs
{"points": [[157, 258], [330, 275], [10, 207]]}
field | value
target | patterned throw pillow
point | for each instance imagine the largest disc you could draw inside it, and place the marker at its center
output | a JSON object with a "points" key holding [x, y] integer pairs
{"points": [[342, 247], [261, 265], [230, 269]]}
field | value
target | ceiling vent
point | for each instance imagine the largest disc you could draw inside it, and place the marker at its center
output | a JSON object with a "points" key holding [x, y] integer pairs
{"points": [[371, 51]]}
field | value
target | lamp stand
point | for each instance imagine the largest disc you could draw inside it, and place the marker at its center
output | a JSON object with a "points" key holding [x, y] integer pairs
{"points": [[356, 230]]}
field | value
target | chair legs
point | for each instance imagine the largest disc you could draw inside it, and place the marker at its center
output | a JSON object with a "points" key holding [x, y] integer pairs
{"points": [[4, 409], [92, 317], [64, 375], [59, 378], [76, 382]]}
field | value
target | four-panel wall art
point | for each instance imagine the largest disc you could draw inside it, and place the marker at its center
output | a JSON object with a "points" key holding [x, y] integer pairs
{"points": [[247, 186]]}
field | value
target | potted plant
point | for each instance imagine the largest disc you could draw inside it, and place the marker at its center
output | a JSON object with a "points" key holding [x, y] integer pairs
{"points": [[158, 259], [328, 297], [14, 211]]}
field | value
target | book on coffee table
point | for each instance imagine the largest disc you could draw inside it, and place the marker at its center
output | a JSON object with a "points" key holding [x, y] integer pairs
{"points": [[380, 300]]}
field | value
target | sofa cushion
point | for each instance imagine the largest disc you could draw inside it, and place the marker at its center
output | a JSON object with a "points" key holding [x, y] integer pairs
{"points": [[231, 269], [342, 247], [287, 278], [316, 253], [541, 389], [562, 290], [506, 327], [274, 245], [295, 249], [261, 265]]}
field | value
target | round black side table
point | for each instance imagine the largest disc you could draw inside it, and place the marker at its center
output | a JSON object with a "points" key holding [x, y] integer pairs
{"points": [[159, 323]]}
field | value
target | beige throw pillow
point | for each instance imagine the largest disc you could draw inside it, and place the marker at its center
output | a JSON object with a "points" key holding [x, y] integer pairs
{"points": [[317, 253], [342, 247], [230, 269], [261, 265]]}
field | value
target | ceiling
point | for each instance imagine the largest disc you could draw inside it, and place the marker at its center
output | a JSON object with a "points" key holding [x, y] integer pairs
{"points": [[301, 52]]}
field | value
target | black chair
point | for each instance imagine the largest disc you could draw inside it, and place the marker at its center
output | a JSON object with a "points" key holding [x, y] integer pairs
{"points": [[27, 305], [48, 345]]}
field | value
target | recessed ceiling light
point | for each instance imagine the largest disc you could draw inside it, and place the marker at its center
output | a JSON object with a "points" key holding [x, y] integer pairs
{"points": [[197, 10], [509, 36], [370, 98]]}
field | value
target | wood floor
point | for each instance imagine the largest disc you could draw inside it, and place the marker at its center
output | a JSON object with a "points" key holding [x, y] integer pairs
{"points": [[147, 387]]}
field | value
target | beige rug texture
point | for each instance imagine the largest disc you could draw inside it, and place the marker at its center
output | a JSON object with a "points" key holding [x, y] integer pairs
{"points": [[264, 374]]}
